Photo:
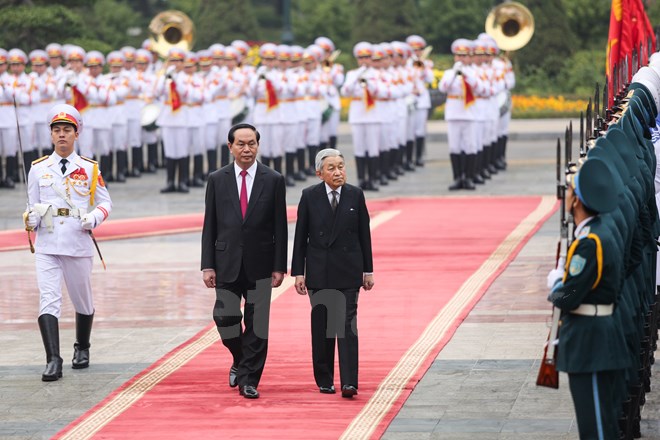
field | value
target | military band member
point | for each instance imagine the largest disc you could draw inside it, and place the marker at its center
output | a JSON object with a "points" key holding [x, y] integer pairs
{"points": [[97, 89], [267, 87], [133, 105], [46, 85], [118, 114], [146, 82], [67, 199], [173, 123], [362, 87], [20, 87], [460, 83], [335, 78], [7, 145], [239, 92], [423, 75], [193, 98]]}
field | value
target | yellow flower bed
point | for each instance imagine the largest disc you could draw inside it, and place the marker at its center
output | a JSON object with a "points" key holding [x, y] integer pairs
{"points": [[559, 104]]}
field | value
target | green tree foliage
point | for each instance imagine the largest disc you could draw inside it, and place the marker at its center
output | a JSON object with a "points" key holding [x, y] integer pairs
{"points": [[589, 20], [109, 21], [223, 22], [384, 20], [329, 18], [28, 27], [553, 41], [443, 21]]}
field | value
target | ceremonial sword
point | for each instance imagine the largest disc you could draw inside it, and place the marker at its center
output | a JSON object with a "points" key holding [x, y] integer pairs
{"points": [[27, 193]]}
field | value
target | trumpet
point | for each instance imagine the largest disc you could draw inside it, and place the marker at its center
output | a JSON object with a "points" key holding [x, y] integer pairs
{"points": [[420, 61], [330, 61]]}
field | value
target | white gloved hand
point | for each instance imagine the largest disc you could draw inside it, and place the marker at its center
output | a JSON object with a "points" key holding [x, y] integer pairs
{"points": [[458, 66], [31, 220], [553, 276], [88, 222]]}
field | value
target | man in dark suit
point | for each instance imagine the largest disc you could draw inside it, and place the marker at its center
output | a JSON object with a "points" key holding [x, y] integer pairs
{"points": [[332, 260], [244, 245]]}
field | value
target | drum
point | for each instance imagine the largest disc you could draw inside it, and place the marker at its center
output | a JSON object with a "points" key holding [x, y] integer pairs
{"points": [[326, 110], [239, 110], [149, 115]]}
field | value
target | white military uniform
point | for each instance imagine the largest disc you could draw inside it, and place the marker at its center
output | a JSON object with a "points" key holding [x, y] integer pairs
{"points": [[64, 250]]}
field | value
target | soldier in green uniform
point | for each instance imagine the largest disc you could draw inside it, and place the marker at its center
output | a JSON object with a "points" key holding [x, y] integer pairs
{"points": [[592, 348]]}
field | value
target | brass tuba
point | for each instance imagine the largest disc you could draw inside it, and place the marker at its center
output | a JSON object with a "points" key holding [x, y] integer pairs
{"points": [[511, 25], [171, 29]]}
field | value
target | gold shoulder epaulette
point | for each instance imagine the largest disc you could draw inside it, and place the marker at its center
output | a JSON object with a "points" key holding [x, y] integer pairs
{"points": [[88, 159], [41, 159]]}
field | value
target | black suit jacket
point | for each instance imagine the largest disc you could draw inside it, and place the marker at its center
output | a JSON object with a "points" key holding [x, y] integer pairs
{"points": [[260, 241], [332, 250]]}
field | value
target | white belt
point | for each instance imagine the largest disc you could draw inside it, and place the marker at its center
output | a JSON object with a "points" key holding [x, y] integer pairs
{"points": [[594, 310]]}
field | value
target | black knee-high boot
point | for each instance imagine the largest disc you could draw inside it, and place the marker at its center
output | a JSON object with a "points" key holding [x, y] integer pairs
{"points": [[170, 165], [212, 158], [312, 150], [105, 166], [383, 167], [224, 155], [28, 157], [11, 169], [372, 167], [333, 142], [360, 165], [152, 158], [419, 151], [409, 164], [81, 347], [277, 164], [300, 157], [122, 166], [198, 171], [455, 160], [468, 182], [184, 174], [50, 335], [266, 161], [137, 162], [289, 163]]}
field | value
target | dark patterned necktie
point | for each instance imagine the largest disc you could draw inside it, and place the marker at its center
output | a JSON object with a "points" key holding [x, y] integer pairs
{"points": [[63, 162], [333, 202]]}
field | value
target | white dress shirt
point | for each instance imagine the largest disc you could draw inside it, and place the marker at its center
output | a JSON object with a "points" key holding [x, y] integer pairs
{"points": [[249, 178]]}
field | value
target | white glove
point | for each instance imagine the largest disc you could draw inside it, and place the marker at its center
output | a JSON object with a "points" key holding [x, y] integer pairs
{"points": [[557, 273], [88, 222], [31, 220], [458, 66]]}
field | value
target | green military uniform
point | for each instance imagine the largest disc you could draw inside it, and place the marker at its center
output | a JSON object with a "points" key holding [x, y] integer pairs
{"points": [[592, 348]]}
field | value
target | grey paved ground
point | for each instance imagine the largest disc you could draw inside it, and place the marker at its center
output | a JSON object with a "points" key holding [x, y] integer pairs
{"points": [[481, 386]]}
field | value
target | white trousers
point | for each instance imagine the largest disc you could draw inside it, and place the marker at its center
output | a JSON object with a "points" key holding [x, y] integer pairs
{"points": [[420, 116], [366, 139], [76, 272], [119, 135], [211, 136], [270, 144], [312, 132], [289, 134], [94, 141], [176, 141], [134, 133], [461, 137]]}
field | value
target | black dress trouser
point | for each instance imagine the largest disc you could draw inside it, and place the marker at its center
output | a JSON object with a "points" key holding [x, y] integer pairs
{"points": [[334, 317], [247, 341]]}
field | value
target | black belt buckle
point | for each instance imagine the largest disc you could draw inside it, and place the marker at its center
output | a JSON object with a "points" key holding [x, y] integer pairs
{"points": [[63, 212]]}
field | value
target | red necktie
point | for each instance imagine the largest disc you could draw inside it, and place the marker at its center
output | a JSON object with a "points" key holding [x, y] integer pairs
{"points": [[244, 197]]}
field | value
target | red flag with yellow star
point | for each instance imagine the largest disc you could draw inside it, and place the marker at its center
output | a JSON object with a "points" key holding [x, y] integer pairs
{"points": [[78, 100]]}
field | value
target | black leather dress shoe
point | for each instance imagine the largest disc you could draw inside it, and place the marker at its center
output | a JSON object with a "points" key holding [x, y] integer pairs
{"points": [[233, 376], [249, 392], [327, 390], [348, 391]]}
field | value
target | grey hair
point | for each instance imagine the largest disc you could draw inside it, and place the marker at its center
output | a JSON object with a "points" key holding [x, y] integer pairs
{"points": [[327, 152]]}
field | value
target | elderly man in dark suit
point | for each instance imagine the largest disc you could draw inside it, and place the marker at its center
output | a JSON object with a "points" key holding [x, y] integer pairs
{"points": [[244, 245], [332, 260]]}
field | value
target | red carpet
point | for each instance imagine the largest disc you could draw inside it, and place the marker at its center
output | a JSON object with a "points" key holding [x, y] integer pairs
{"points": [[434, 258]]}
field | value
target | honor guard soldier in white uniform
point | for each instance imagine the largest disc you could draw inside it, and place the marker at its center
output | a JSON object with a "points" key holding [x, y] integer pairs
{"points": [[47, 86], [459, 84], [147, 83], [133, 105], [193, 98], [173, 123], [335, 79], [362, 86], [21, 88], [249, 71], [55, 68], [118, 114], [99, 94], [423, 77], [7, 124], [67, 199], [238, 83], [266, 86]]}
